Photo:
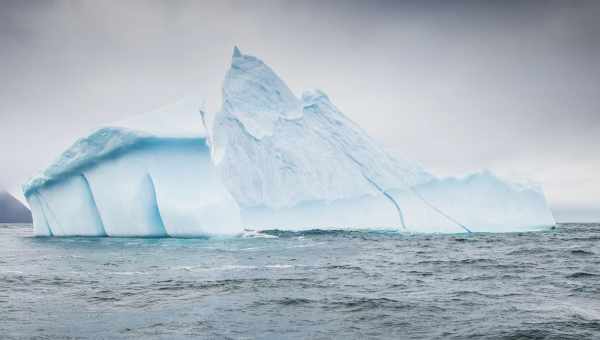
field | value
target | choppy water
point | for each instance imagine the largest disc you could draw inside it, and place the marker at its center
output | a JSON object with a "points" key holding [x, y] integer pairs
{"points": [[541, 285]]}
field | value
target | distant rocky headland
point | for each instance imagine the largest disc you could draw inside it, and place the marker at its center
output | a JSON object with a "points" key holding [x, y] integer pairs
{"points": [[13, 211]]}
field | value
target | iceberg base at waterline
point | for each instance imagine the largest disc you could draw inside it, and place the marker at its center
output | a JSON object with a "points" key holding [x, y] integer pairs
{"points": [[140, 194]]}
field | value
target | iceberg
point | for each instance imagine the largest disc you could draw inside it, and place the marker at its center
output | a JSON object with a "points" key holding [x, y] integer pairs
{"points": [[268, 159]]}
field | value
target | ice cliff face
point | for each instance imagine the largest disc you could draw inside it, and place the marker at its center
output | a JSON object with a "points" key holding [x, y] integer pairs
{"points": [[269, 160], [275, 150], [148, 176]]}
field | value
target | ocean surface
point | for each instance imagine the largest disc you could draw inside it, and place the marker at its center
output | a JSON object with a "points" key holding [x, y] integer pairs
{"points": [[317, 285]]}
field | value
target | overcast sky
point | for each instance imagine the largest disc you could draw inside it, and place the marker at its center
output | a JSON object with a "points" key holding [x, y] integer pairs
{"points": [[456, 86]]}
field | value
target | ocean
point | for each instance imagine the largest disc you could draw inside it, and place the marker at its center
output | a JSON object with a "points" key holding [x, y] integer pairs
{"points": [[308, 285]]}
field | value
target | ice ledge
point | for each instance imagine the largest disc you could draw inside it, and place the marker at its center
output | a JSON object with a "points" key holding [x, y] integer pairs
{"points": [[101, 144], [179, 122], [488, 176]]}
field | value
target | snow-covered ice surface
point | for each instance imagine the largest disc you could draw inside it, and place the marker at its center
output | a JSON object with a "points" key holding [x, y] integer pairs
{"points": [[269, 160]]}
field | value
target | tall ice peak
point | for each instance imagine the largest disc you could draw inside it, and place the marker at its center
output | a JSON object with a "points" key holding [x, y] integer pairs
{"points": [[255, 95], [236, 52]]}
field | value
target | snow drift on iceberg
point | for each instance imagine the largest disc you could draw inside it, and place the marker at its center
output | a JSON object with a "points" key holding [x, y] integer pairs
{"points": [[269, 160]]}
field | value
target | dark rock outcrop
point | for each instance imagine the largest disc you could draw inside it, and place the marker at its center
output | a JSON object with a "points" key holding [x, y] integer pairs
{"points": [[13, 211]]}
